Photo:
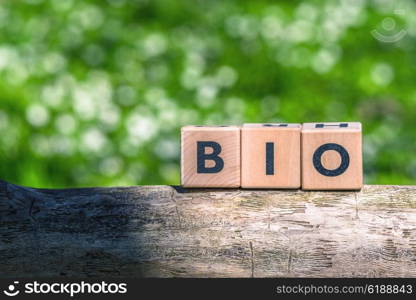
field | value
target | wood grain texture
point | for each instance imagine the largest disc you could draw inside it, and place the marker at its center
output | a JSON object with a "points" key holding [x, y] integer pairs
{"points": [[164, 231], [350, 138], [228, 138], [285, 165]]}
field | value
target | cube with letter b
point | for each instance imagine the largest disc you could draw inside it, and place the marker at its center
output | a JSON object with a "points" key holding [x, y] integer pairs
{"points": [[210, 156], [332, 156], [270, 155]]}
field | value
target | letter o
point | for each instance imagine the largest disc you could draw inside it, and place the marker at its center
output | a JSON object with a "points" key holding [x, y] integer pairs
{"points": [[345, 159]]}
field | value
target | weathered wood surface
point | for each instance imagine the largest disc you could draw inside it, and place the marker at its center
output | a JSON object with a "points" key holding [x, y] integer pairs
{"points": [[163, 231]]}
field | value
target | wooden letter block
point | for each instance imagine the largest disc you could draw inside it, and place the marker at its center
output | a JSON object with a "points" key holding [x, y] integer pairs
{"points": [[210, 156], [270, 156], [332, 156]]}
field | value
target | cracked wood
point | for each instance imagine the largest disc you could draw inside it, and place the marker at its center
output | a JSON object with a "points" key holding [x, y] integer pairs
{"points": [[163, 231]]}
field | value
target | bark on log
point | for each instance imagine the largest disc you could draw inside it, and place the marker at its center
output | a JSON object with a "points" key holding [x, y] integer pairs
{"points": [[164, 231]]}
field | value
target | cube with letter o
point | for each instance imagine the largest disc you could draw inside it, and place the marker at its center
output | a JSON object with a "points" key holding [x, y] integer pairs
{"points": [[332, 156]]}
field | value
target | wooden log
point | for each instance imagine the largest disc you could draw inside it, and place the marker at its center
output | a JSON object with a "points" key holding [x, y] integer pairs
{"points": [[164, 231]]}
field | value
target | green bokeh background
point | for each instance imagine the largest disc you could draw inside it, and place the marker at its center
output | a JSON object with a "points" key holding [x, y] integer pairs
{"points": [[95, 92]]}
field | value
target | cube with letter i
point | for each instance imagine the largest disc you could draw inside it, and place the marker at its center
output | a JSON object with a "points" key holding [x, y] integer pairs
{"points": [[332, 156], [210, 156], [270, 155]]}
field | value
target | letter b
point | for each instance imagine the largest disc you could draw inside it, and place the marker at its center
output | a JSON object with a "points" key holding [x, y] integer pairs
{"points": [[202, 157]]}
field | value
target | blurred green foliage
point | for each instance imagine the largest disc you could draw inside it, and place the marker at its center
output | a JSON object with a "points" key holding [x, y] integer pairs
{"points": [[95, 92]]}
